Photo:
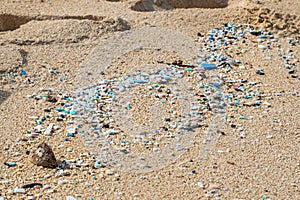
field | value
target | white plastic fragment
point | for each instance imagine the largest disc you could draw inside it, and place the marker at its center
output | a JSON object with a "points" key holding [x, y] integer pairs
{"points": [[19, 190], [49, 129], [38, 128], [46, 89], [200, 184], [61, 182], [71, 129], [61, 173], [46, 186], [47, 176], [109, 172], [263, 47], [70, 198]]}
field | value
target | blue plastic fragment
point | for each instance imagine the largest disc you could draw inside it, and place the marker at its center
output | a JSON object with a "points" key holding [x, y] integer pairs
{"points": [[208, 66], [23, 72], [70, 135], [216, 84], [10, 164], [257, 103], [212, 191]]}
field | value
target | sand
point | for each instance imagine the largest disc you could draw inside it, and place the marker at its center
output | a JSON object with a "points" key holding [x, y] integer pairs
{"points": [[53, 41]]}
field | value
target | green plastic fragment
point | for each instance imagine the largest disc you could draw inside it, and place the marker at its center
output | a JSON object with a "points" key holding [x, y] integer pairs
{"points": [[44, 96]]}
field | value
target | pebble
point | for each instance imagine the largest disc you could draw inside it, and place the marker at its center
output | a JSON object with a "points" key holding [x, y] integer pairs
{"points": [[213, 187], [32, 185]]}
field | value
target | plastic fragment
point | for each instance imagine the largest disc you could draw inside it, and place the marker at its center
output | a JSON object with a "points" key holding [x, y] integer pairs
{"points": [[19, 190], [10, 164], [208, 66], [70, 198], [49, 129]]}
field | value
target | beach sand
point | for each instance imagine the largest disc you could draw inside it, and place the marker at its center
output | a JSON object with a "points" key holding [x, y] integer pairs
{"points": [[47, 43]]}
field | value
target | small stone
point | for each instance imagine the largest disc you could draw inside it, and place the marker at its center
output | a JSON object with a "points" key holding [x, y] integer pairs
{"points": [[213, 187], [44, 156], [32, 185]]}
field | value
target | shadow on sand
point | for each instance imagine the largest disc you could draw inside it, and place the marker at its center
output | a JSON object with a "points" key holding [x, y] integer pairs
{"points": [[151, 5], [3, 96]]}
